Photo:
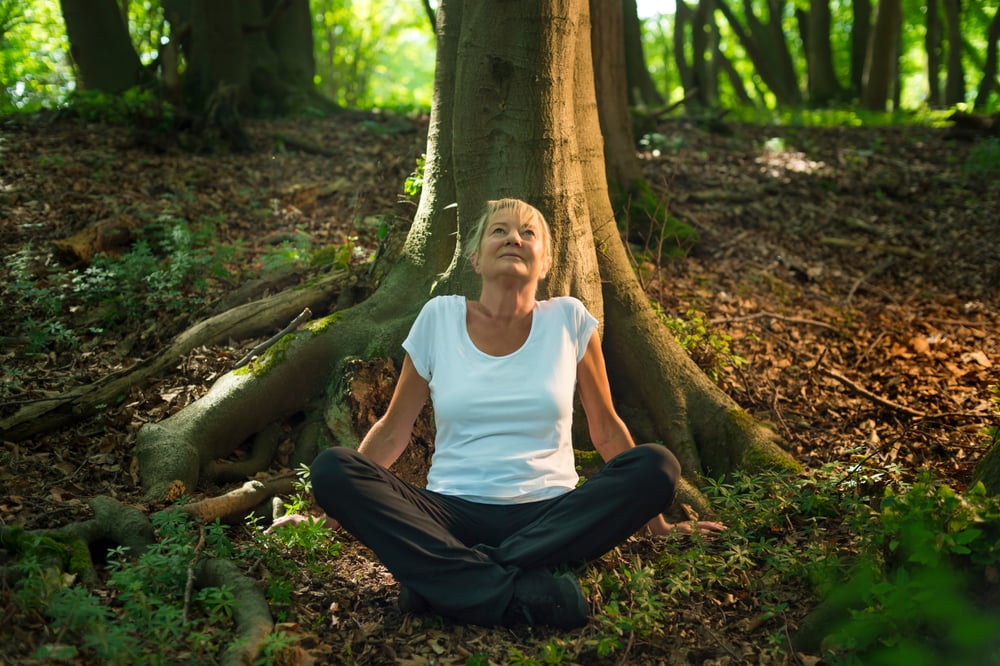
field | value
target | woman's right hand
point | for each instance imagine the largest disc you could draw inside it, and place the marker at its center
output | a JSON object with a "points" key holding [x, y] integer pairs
{"points": [[296, 518]]}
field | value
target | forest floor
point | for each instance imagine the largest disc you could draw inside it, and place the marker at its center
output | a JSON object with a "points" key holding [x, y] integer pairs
{"points": [[855, 269]]}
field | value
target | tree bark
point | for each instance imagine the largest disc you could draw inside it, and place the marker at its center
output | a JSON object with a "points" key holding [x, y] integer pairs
{"points": [[823, 86], [640, 86], [860, 35], [954, 87], [101, 46], [932, 44], [514, 114], [987, 85], [881, 65]]}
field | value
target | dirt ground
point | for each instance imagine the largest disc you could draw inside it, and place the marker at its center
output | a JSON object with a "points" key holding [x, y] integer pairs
{"points": [[855, 269]]}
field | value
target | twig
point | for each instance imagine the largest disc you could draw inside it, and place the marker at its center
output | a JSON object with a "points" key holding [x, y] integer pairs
{"points": [[774, 315], [191, 574], [304, 316], [857, 388]]}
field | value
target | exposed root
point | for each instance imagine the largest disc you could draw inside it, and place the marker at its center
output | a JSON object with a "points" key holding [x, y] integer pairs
{"points": [[236, 503], [250, 612]]}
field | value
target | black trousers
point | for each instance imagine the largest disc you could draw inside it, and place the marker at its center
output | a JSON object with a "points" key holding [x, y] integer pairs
{"points": [[463, 557]]}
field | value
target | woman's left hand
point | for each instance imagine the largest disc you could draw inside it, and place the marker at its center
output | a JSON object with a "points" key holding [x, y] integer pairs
{"points": [[659, 526]]}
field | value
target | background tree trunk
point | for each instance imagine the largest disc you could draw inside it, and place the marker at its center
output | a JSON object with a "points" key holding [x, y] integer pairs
{"points": [[881, 65], [932, 42], [101, 46], [766, 46], [639, 84], [822, 84], [988, 84], [954, 87], [860, 35]]}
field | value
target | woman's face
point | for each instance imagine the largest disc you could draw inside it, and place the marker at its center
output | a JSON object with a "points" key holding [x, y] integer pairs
{"points": [[512, 246]]}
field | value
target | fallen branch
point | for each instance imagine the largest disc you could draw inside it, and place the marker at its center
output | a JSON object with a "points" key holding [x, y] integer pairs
{"points": [[244, 321], [773, 315], [303, 317], [885, 402], [860, 390]]}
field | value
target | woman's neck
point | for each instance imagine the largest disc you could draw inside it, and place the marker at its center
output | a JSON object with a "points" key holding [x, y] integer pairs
{"points": [[506, 304]]}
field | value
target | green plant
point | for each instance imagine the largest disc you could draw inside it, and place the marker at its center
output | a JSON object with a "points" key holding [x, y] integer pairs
{"points": [[708, 348], [984, 159], [146, 611], [136, 107], [414, 183], [914, 589]]}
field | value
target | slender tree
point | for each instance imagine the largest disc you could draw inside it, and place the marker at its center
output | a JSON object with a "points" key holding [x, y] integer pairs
{"points": [[989, 82], [881, 62], [954, 87], [640, 86], [933, 46]]}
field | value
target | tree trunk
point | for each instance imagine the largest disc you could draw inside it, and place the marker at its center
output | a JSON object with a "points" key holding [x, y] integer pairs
{"points": [[860, 35], [988, 83], [704, 42], [823, 86], [766, 46], [880, 65], [514, 114], [101, 46], [623, 169], [290, 37], [255, 56], [640, 86], [932, 43], [682, 19], [954, 86]]}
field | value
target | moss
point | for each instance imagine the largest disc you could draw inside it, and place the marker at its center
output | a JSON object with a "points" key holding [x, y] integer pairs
{"points": [[648, 220], [757, 456], [66, 549], [273, 356], [320, 325], [588, 463]]}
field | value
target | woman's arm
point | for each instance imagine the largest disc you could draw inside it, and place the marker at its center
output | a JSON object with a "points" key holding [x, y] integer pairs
{"points": [[608, 432], [388, 438], [390, 435]]}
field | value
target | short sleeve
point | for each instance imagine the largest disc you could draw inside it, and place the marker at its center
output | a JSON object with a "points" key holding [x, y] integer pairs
{"points": [[584, 324], [419, 343]]}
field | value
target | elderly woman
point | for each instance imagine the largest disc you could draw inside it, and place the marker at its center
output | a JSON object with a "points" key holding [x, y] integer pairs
{"points": [[503, 507]]}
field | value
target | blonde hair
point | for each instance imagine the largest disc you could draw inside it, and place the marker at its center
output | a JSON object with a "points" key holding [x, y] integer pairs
{"points": [[524, 211]]}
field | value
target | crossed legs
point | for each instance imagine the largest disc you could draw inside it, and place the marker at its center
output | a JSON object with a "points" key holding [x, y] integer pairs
{"points": [[464, 557]]}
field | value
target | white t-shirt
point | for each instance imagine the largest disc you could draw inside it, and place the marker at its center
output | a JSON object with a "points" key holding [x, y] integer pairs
{"points": [[503, 422]]}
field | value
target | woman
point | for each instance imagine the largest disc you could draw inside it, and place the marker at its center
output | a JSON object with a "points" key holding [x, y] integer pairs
{"points": [[502, 508]]}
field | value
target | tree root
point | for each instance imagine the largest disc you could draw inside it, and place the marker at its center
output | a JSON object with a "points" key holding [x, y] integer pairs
{"points": [[239, 502], [251, 612], [244, 321], [262, 450]]}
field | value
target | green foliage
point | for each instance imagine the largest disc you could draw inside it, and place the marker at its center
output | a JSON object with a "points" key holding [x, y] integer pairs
{"points": [[708, 348], [373, 53], [164, 271], [34, 68], [984, 159], [914, 592], [414, 183], [145, 616], [136, 107]]}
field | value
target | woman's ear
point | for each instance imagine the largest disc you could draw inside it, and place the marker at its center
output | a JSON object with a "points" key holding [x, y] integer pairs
{"points": [[474, 260]]}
